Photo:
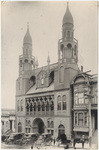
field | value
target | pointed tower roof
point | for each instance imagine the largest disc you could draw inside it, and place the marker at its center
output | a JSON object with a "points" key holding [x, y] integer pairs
{"points": [[68, 17], [27, 38]]}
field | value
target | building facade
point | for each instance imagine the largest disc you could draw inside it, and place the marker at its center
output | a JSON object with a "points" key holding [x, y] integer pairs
{"points": [[7, 121], [45, 97]]}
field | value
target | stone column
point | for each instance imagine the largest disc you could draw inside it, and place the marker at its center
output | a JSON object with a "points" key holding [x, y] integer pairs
{"points": [[13, 129], [35, 100], [48, 112]]}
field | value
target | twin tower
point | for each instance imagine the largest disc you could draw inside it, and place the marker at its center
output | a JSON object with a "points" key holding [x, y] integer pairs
{"points": [[67, 47]]}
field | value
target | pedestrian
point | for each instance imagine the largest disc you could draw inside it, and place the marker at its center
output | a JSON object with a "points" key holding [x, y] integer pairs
{"points": [[32, 147], [54, 141], [83, 140]]}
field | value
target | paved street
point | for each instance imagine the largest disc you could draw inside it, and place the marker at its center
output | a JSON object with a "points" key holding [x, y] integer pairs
{"points": [[78, 146]]}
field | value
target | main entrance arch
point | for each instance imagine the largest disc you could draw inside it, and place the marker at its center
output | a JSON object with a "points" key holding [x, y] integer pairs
{"points": [[38, 126], [61, 129]]}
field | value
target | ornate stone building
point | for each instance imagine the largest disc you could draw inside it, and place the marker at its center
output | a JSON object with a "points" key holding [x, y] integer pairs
{"points": [[46, 98]]}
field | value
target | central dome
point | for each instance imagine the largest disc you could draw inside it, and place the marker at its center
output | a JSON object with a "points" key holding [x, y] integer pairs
{"points": [[67, 17], [27, 38]]}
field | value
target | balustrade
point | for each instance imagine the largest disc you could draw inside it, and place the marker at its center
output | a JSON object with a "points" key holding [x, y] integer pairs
{"points": [[40, 106]]}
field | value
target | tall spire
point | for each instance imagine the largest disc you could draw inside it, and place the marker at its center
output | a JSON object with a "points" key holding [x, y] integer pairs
{"points": [[68, 17], [27, 38]]}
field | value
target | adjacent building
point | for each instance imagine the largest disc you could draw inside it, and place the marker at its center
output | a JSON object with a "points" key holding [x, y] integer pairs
{"points": [[57, 98], [7, 121]]}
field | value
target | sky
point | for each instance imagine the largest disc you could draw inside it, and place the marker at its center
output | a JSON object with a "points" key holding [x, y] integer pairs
{"points": [[45, 25]]}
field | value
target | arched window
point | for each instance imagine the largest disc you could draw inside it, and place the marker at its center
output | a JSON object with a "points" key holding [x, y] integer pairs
{"points": [[47, 106], [52, 124], [43, 106], [26, 60], [39, 106], [64, 102], [58, 103], [48, 123], [61, 75], [32, 80], [69, 45], [19, 127]]}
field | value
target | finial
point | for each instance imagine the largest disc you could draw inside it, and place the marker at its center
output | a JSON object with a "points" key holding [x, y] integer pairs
{"points": [[27, 25], [48, 59], [67, 4]]}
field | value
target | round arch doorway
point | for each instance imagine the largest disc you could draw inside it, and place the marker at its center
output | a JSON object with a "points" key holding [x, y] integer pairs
{"points": [[38, 126]]}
